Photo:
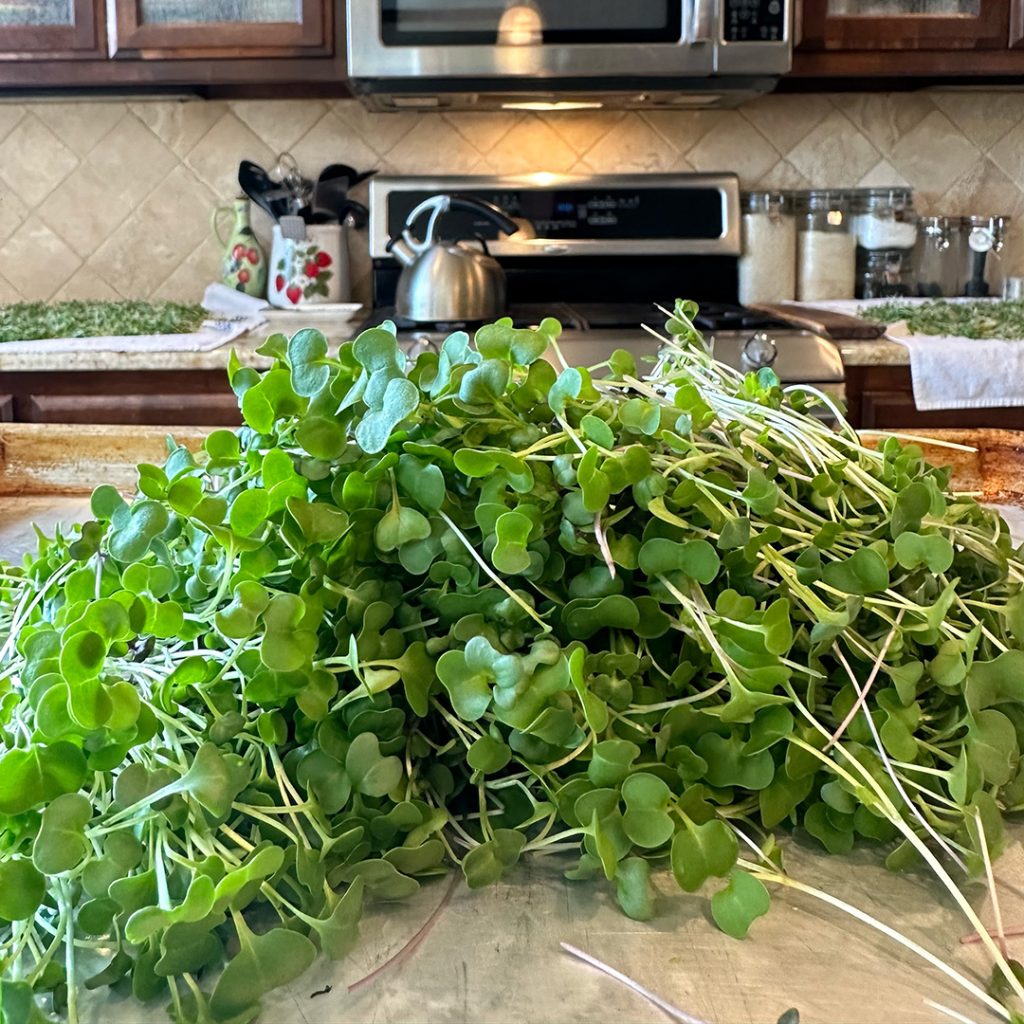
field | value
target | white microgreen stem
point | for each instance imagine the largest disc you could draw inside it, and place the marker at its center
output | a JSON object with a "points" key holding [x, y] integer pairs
{"points": [[868, 683], [624, 979], [990, 879], [952, 1014], [478, 558], [979, 993], [897, 782], [67, 914]]}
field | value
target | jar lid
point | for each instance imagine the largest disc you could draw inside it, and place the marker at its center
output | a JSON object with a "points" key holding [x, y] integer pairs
{"points": [[896, 197], [823, 199], [777, 201]]}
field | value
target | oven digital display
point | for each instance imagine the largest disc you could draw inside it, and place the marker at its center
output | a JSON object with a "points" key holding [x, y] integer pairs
{"points": [[566, 214], [754, 21], [528, 22]]}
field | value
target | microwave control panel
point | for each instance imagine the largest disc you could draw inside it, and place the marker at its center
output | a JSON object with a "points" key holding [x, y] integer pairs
{"points": [[754, 21]]}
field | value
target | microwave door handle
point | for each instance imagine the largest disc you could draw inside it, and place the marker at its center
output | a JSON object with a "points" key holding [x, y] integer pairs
{"points": [[700, 22]]}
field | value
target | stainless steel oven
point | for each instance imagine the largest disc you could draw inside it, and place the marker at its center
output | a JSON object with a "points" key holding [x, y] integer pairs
{"points": [[539, 54]]}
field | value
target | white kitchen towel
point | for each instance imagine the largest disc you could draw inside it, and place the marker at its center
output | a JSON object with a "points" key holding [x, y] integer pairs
{"points": [[219, 298], [962, 373]]}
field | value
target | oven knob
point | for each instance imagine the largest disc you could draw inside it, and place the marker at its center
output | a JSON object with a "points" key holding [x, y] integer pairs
{"points": [[759, 351]]}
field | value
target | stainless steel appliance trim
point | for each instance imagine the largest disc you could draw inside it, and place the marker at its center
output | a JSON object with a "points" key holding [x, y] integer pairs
{"points": [[368, 57], [727, 244], [370, 60]]}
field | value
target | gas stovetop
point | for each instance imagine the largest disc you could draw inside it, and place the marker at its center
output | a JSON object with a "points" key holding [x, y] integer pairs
{"points": [[591, 331]]}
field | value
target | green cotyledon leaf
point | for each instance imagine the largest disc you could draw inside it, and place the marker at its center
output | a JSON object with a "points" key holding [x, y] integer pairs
{"points": [[739, 904]]}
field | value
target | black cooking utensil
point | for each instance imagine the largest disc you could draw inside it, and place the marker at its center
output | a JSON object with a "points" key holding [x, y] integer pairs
{"points": [[266, 193]]}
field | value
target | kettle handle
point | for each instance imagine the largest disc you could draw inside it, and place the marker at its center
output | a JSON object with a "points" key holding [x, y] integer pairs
{"points": [[495, 214], [411, 245], [438, 206]]}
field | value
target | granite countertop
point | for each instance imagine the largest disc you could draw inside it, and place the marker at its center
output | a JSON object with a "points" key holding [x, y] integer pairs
{"points": [[878, 352], [336, 329]]}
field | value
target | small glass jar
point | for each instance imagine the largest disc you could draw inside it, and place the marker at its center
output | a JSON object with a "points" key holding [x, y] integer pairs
{"points": [[885, 274], [767, 268], [827, 248], [937, 256], [884, 220], [982, 240]]}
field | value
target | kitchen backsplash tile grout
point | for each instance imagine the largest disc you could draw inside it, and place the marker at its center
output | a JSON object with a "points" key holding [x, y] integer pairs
{"points": [[84, 186]]}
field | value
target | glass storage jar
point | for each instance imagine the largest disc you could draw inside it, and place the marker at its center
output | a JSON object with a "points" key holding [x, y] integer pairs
{"points": [[885, 273], [826, 247], [937, 256], [981, 242], [768, 262], [884, 220]]}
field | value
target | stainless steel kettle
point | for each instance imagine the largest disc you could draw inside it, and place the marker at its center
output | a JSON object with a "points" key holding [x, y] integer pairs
{"points": [[449, 282]]}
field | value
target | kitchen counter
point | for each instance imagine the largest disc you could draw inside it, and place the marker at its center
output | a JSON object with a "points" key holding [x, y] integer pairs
{"points": [[86, 358], [878, 352]]}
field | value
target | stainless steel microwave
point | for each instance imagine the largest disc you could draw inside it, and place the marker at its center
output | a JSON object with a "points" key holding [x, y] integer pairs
{"points": [[563, 54]]}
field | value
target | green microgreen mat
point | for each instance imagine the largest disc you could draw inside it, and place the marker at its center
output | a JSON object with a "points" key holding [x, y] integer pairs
{"points": [[32, 321]]}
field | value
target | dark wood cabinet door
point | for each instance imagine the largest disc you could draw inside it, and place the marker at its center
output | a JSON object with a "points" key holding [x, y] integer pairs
{"points": [[187, 29], [52, 29], [905, 25]]}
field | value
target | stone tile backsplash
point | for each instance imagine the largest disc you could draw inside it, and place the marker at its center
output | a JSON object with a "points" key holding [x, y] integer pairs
{"points": [[103, 199]]}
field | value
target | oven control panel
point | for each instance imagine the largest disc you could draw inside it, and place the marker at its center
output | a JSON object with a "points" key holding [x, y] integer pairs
{"points": [[754, 21], [561, 214]]}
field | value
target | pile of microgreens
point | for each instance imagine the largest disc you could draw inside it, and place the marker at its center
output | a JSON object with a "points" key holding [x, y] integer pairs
{"points": [[469, 608], [79, 318], [984, 319]]}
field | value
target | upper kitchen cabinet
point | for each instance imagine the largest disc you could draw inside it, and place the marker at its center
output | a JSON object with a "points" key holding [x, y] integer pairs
{"points": [[932, 38], [852, 25], [56, 29], [257, 44], [184, 29]]}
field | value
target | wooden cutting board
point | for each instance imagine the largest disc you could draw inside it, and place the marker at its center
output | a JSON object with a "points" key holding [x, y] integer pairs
{"points": [[822, 321]]}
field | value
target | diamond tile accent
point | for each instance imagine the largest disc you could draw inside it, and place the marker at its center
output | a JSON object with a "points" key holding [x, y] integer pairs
{"points": [[111, 197], [645, 151], [933, 154], [34, 160], [983, 189], [882, 175], [179, 124], [12, 211], [81, 126], [531, 145], [211, 162], [433, 147], [834, 153], [85, 283], [83, 208], [1008, 153], [10, 115], [327, 142], [1002, 111], [280, 125], [748, 153], [785, 120], [131, 155], [36, 261]]}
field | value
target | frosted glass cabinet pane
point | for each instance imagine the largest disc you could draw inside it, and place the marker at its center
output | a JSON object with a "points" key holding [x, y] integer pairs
{"points": [[36, 12], [905, 8], [165, 12]]}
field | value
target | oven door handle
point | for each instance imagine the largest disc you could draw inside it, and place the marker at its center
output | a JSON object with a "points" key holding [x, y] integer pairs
{"points": [[700, 22]]}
